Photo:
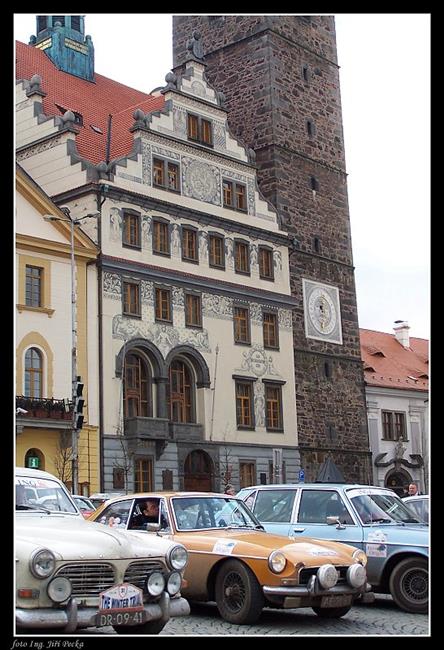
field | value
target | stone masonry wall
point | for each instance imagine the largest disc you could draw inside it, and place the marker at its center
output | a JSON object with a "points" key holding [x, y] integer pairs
{"points": [[258, 62]]}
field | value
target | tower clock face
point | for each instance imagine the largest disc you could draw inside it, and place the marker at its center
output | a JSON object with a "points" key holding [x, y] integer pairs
{"points": [[322, 311]]}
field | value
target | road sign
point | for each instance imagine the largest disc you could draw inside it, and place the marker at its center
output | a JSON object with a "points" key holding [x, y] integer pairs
{"points": [[301, 476]]}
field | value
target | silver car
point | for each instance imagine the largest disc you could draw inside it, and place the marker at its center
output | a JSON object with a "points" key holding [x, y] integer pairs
{"points": [[372, 518]]}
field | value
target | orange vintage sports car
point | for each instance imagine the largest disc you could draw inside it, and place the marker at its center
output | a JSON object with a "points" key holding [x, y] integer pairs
{"points": [[234, 562]]}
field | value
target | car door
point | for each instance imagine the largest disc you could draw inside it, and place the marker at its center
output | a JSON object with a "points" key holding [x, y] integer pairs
{"points": [[274, 509], [312, 508]]}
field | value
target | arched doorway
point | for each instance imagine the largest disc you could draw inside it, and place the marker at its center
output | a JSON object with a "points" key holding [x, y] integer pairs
{"points": [[398, 481], [35, 459], [198, 471]]}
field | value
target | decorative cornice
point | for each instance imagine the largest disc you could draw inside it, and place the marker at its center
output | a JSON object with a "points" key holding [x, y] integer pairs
{"points": [[144, 202], [160, 274], [417, 458]]}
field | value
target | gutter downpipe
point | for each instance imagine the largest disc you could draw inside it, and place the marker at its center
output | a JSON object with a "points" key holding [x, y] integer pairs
{"points": [[102, 188], [214, 394]]}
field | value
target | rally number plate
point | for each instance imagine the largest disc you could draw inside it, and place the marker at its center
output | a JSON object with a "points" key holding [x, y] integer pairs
{"points": [[121, 605]]}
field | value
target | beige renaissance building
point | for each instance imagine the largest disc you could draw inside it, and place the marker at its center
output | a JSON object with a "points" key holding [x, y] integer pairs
{"points": [[194, 359]]}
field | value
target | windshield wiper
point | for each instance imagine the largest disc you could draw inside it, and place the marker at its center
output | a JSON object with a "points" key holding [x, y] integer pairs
{"points": [[235, 525], [381, 520], [22, 506]]}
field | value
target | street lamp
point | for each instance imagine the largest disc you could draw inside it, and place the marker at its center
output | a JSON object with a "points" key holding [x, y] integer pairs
{"points": [[73, 222]]}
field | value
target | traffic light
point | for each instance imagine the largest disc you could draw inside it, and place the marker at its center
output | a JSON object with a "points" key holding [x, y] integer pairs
{"points": [[78, 405]]}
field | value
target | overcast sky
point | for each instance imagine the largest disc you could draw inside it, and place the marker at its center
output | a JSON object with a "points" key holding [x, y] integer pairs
{"points": [[385, 90]]}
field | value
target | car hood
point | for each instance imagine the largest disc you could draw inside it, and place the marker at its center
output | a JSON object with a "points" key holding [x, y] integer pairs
{"points": [[310, 551], [74, 539]]}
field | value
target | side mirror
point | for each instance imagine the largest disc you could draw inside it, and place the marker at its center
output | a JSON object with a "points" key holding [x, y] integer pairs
{"points": [[335, 520], [153, 527]]}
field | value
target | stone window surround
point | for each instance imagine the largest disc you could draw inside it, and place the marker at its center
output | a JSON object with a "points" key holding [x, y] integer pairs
{"points": [[276, 314], [132, 213], [240, 379], [240, 305]]}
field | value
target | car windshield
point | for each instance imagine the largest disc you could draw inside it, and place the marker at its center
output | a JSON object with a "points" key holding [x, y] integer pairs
{"points": [[197, 513], [382, 508], [42, 494], [83, 503]]}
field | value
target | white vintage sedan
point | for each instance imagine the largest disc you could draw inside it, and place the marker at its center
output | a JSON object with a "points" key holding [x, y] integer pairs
{"points": [[72, 573]]}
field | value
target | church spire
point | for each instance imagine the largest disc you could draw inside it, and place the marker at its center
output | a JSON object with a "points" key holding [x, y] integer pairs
{"points": [[63, 40]]}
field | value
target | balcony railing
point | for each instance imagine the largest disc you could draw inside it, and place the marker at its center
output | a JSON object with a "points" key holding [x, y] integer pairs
{"points": [[56, 409]]}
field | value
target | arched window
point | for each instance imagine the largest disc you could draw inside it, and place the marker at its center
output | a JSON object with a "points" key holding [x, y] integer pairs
{"points": [[180, 394], [137, 387], [33, 373]]}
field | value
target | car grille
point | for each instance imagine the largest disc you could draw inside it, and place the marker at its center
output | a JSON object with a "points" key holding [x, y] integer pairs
{"points": [[88, 579], [305, 574], [137, 572]]}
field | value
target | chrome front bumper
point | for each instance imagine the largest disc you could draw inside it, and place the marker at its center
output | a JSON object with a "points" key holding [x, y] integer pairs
{"points": [[73, 617], [303, 590]]}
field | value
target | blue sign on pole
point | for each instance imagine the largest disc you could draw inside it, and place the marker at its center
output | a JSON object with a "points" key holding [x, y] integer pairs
{"points": [[301, 476]]}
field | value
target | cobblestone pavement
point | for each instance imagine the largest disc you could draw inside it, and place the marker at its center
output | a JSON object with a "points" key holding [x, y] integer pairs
{"points": [[380, 618]]}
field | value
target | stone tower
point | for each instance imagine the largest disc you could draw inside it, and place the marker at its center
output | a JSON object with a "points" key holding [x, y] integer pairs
{"points": [[280, 78]]}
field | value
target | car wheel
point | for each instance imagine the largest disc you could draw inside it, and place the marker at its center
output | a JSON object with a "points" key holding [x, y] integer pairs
{"points": [[409, 583], [239, 597], [331, 612], [152, 627]]}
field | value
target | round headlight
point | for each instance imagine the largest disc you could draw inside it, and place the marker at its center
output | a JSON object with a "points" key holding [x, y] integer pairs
{"points": [[177, 558], [356, 575], [59, 589], [42, 563], [277, 561], [174, 583], [360, 557], [327, 576], [155, 584]]}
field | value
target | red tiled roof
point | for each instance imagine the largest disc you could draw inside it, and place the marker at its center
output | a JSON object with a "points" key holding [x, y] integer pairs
{"points": [[398, 365], [93, 100]]}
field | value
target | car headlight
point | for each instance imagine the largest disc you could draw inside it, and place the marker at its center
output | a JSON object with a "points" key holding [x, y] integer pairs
{"points": [[174, 583], [360, 557], [277, 561], [155, 584], [177, 558], [356, 575], [42, 563], [327, 576], [59, 589]]}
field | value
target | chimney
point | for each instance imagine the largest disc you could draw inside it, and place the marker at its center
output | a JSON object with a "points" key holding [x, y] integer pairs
{"points": [[402, 333]]}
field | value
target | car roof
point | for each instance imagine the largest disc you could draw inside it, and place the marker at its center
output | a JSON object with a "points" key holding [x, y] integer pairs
{"points": [[416, 497], [283, 486], [27, 471], [168, 493]]}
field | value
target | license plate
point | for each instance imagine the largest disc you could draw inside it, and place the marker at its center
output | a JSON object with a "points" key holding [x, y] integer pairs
{"points": [[121, 605], [120, 618], [336, 601]]}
